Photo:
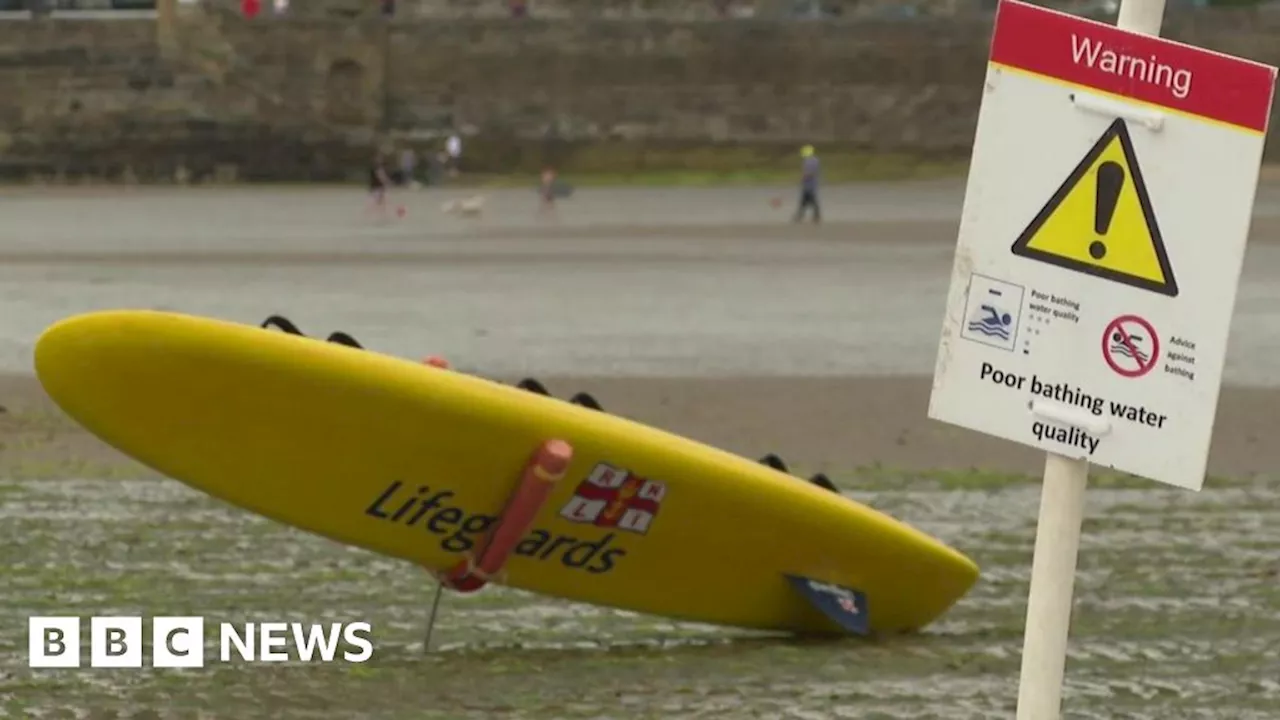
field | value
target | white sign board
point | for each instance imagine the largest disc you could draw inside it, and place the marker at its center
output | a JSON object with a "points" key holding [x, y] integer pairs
{"points": [[1103, 231]]}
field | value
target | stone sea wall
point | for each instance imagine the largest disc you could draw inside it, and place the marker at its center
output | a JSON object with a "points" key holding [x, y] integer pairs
{"points": [[297, 98]]}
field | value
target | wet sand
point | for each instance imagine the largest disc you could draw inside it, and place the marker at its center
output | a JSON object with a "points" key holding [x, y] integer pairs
{"points": [[701, 312], [836, 425]]}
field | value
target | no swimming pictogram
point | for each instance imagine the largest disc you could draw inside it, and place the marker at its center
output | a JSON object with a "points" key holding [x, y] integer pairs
{"points": [[1130, 346]]}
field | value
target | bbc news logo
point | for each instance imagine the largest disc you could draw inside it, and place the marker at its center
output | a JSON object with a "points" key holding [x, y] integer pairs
{"points": [[178, 642]]}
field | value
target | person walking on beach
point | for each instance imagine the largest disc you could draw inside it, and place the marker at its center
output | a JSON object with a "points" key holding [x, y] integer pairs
{"points": [[547, 189], [809, 170], [408, 168], [379, 183], [453, 146]]}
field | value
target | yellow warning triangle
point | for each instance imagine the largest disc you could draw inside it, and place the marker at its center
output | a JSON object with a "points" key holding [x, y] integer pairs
{"points": [[1100, 222]]}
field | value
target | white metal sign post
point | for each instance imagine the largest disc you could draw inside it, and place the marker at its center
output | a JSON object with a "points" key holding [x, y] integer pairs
{"points": [[1108, 204]]}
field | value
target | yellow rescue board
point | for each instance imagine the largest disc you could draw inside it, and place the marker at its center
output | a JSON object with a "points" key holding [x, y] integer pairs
{"points": [[414, 462]]}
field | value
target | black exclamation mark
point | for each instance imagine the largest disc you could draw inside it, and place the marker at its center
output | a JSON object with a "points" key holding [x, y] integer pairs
{"points": [[1110, 181]]}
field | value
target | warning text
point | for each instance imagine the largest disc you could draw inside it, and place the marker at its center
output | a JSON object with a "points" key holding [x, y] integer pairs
{"points": [[1065, 308], [1181, 358], [1094, 54], [1072, 396]]}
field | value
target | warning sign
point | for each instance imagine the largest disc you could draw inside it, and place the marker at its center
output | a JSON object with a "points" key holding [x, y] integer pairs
{"points": [[1109, 196], [1130, 346], [1100, 222]]}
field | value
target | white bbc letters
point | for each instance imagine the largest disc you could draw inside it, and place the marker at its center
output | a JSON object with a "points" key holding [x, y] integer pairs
{"points": [[53, 642], [177, 642], [115, 642]]}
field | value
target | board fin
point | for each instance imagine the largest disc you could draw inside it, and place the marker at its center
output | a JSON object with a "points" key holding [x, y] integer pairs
{"points": [[342, 338], [281, 322], [533, 386], [586, 400], [824, 482], [845, 606]]}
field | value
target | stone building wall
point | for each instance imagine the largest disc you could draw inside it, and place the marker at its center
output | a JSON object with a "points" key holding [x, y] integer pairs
{"points": [[310, 97]]}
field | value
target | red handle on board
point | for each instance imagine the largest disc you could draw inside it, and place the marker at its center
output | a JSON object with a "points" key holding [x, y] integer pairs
{"points": [[543, 471]]}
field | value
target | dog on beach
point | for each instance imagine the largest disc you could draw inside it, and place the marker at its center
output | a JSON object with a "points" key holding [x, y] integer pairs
{"points": [[466, 207]]}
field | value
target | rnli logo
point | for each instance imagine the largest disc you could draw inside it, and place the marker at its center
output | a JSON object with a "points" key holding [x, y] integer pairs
{"points": [[612, 497]]}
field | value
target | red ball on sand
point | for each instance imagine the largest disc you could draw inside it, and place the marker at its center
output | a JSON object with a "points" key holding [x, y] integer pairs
{"points": [[776, 202], [400, 211], [436, 361]]}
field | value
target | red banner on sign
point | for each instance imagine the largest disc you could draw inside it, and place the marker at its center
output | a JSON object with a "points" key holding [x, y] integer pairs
{"points": [[1150, 69]]}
